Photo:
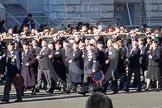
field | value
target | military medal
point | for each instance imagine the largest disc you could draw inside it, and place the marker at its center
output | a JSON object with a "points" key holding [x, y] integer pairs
{"points": [[110, 53], [13, 59], [89, 59]]}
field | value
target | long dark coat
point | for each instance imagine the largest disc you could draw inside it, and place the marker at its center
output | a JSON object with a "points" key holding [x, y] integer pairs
{"points": [[76, 67], [36, 52], [28, 71], [134, 58], [58, 64], [154, 65], [111, 68]]}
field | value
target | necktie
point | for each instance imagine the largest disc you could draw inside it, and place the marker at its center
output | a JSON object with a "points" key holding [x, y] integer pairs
{"points": [[42, 51], [141, 50]]}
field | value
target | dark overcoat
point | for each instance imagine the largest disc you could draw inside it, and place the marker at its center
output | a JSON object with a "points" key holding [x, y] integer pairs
{"points": [[58, 64], [76, 67], [28, 71], [13, 63], [154, 65]]}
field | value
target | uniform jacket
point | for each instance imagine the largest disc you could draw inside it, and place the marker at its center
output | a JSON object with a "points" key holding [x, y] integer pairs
{"points": [[13, 63], [134, 58], [44, 61], [58, 64], [113, 61], [90, 62], [76, 67]]}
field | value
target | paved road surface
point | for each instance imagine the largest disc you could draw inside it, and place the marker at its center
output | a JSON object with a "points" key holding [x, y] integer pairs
{"points": [[122, 100]]}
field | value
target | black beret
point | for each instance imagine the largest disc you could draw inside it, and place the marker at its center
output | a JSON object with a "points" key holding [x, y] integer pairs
{"points": [[135, 39], [26, 43], [58, 42], [99, 42], [29, 40], [82, 40], [66, 41]]}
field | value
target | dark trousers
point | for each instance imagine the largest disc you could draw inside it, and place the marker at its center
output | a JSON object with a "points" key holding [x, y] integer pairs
{"points": [[66, 84], [7, 89], [46, 73], [114, 85], [137, 78]]}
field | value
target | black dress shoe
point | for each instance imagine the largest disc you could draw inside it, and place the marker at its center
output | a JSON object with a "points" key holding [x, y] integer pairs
{"points": [[127, 90], [146, 90], [139, 90], [33, 93], [18, 100], [84, 94], [4, 100], [50, 91], [36, 90], [157, 90], [115, 92], [22, 94], [68, 91]]}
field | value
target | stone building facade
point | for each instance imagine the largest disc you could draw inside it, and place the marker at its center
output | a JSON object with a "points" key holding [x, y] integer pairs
{"points": [[126, 12]]}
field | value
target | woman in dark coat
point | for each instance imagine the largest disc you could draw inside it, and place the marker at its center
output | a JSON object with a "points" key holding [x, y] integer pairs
{"points": [[27, 70], [154, 66], [75, 66]]}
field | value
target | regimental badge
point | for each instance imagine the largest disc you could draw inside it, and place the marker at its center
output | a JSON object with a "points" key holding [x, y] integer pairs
{"points": [[89, 59], [13, 58]]}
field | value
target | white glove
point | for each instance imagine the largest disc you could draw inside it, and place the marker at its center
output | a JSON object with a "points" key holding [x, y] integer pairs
{"points": [[150, 57]]}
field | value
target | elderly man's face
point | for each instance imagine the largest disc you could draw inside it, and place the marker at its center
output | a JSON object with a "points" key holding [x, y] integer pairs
{"points": [[89, 47], [65, 44], [25, 47], [10, 47], [140, 42], [44, 43], [50, 46], [109, 43], [34, 43], [134, 43]]}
